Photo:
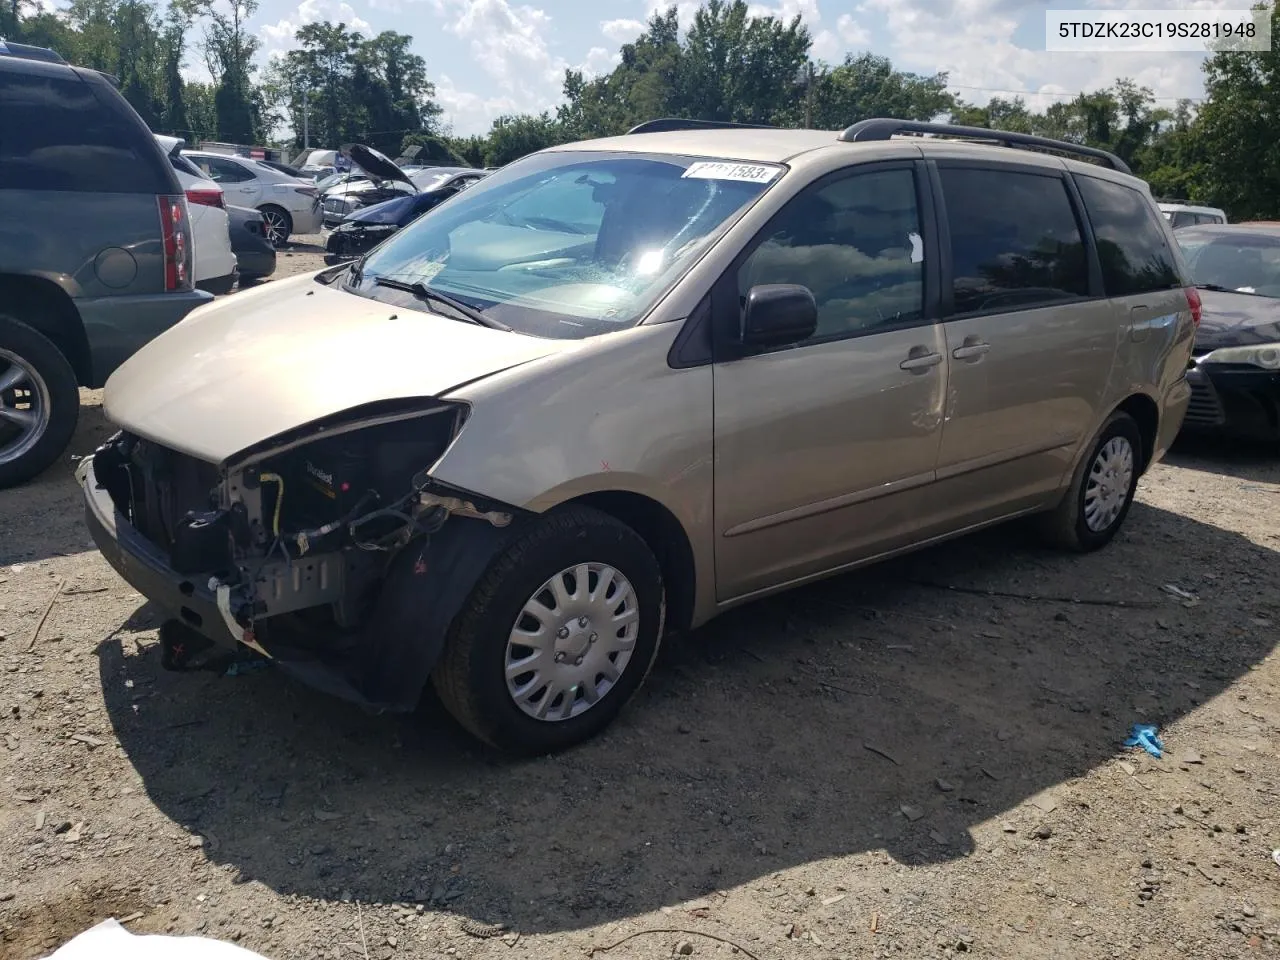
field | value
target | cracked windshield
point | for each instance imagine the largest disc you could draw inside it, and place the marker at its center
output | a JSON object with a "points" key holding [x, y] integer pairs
{"points": [[564, 247]]}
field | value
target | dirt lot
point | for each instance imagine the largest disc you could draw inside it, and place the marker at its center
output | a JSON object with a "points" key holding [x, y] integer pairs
{"points": [[920, 759]]}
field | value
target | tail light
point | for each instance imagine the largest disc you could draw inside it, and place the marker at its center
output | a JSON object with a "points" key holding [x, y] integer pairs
{"points": [[175, 232], [207, 198], [305, 191], [1193, 301]]}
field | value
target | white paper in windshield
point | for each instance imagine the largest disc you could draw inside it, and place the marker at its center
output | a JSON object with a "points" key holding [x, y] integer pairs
{"points": [[720, 170]]}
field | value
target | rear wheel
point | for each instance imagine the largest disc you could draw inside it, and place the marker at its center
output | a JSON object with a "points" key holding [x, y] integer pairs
{"points": [[277, 224], [557, 636], [39, 402], [1101, 491]]}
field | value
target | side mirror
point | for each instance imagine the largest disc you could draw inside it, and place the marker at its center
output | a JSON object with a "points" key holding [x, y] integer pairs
{"points": [[778, 314]]}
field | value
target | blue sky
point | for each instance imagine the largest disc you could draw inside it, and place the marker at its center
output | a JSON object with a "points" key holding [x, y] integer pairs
{"points": [[489, 57]]}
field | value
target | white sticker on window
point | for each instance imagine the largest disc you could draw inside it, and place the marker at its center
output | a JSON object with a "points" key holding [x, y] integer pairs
{"points": [[917, 247], [720, 170]]}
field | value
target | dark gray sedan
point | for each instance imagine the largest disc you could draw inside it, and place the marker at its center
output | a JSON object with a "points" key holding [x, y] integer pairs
{"points": [[255, 255], [1236, 378]]}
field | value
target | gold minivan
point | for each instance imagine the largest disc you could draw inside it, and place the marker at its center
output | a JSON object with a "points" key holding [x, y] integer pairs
{"points": [[620, 386]]}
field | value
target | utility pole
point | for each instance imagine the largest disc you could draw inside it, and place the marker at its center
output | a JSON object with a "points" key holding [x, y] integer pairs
{"points": [[306, 117], [808, 96]]}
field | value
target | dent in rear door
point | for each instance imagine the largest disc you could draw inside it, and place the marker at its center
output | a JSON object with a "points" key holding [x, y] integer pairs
{"points": [[824, 451]]}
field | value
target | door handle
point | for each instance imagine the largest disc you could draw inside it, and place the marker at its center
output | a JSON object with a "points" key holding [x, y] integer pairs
{"points": [[920, 362], [971, 351], [1138, 327]]}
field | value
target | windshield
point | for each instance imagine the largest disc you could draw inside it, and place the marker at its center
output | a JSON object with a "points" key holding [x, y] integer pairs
{"points": [[1242, 263], [568, 245]]}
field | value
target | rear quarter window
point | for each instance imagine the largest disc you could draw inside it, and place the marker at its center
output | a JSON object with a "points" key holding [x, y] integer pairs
{"points": [[59, 133], [1132, 248]]}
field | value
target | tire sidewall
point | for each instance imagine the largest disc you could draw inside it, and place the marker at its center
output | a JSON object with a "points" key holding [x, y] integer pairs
{"points": [[64, 398], [1120, 425], [510, 727]]}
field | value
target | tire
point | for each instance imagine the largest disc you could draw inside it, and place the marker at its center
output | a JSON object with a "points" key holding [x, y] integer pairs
{"points": [[277, 223], [471, 677], [1072, 525], [41, 381]]}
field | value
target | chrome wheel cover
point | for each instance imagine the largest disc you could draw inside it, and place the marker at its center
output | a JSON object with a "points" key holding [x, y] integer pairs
{"points": [[24, 406], [1107, 486], [572, 641]]}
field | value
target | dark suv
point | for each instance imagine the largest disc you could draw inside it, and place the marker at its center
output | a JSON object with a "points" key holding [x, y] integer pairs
{"points": [[95, 248]]}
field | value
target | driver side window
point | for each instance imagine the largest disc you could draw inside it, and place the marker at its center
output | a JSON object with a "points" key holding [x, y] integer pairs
{"points": [[856, 243]]}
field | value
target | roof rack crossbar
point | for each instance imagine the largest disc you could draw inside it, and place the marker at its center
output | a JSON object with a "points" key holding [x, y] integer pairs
{"points": [[667, 124], [884, 128]]}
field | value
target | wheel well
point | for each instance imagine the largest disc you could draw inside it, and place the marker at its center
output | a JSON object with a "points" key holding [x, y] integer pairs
{"points": [[1147, 415], [665, 536], [43, 305]]}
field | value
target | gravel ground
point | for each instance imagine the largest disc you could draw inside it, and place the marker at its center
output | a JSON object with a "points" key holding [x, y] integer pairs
{"points": [[920, 759]]}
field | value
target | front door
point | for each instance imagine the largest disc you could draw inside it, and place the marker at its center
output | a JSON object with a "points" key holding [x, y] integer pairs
{"points": [[1030, 339], [823, 450]]}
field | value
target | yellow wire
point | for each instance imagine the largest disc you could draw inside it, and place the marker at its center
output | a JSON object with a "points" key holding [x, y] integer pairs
{"points": [[274, 478]]}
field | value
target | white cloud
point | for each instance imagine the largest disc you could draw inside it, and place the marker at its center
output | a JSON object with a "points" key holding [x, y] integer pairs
{"points": [[621, 31], [508, 43], [973, 41], [467, 112], [277, 38], [852, 33], [599, 61]]}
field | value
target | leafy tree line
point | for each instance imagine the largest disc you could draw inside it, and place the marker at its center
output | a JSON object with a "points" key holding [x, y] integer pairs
{"points": [[724, 65]]}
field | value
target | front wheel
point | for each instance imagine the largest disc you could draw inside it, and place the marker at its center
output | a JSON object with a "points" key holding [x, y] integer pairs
{"points": [[557, 636], [39, 402], [1101, 491], [277, 224]]}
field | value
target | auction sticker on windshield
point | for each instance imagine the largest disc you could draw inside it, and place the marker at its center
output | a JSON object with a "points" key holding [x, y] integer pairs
{"points": [[720, 170]]}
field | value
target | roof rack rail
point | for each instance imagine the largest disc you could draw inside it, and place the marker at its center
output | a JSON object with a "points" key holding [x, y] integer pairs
{"points": [[883, 128], [667, 124], [26, 51]]}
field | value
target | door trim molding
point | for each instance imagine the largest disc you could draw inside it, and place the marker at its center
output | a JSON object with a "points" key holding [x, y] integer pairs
{"points": [[830, 504], [1060, 442]]}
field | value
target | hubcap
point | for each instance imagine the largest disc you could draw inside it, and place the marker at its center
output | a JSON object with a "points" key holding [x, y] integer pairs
{"points": [[24, 406], [572, 641], [1107, 488]]}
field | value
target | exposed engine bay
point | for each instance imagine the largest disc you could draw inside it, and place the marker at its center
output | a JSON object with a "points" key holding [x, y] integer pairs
{"points": [[301, 542]]}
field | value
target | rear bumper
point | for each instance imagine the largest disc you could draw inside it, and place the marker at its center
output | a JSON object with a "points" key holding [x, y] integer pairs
{"points": [[1176, 401], [306, 221], [117, 327], [1235, 401], [219, 286]]}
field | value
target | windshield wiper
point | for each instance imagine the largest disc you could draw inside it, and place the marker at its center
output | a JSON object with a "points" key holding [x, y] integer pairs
{"points": [[1219, 288], [427, 295]]}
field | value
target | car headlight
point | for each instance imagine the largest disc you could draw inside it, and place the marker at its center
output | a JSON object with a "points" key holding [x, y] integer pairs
{"points": [[1264, 355]]}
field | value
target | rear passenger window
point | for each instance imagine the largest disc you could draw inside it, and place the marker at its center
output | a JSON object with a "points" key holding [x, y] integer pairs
{"points": [[856, 244], [1131, 243], [56, 135], [1015, 241]]}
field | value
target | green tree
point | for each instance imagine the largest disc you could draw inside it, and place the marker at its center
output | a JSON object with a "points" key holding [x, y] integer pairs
{"points": [[867, 86], [1237, 126]]}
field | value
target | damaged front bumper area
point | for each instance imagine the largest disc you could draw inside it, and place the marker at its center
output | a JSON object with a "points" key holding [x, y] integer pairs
{"points": [[330, 551]]}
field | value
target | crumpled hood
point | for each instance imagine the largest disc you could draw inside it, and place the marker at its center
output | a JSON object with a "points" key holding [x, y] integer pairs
{"points": [[250, 366]]}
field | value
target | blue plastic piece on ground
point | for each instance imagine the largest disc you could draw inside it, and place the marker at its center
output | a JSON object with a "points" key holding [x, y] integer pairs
{"points": [[1144, 735]]}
